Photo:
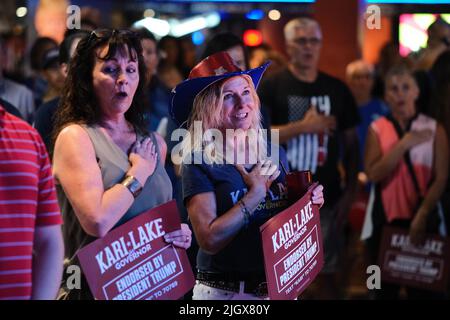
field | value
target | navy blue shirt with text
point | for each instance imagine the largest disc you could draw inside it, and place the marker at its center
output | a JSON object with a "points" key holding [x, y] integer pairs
{"points": [[244, 253]]}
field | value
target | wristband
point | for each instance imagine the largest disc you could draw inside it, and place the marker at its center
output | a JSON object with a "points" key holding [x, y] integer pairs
{"points": [[133, 185]]}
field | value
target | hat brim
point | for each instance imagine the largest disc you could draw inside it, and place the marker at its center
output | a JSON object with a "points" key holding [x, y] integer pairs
{"points": [[183, 94]]}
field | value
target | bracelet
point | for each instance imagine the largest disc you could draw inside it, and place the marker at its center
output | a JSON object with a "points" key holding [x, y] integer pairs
{"points": [[132, 184], [246, 213]]}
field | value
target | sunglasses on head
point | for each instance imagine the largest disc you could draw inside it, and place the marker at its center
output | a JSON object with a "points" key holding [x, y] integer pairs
{"points": [[108, 33]]}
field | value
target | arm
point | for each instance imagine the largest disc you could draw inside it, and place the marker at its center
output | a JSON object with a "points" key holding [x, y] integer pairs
{"points": [[312, 122], [48, 256], [377, 166], [76, 168], [214, 233], [440, 174], [290, 130]]}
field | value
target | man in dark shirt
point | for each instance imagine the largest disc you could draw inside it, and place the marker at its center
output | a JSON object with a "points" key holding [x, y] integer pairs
{"points": [[316, 116], [44, 115]]}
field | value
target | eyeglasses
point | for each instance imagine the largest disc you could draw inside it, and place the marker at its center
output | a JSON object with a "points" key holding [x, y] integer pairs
{"points": [[304, 41]]}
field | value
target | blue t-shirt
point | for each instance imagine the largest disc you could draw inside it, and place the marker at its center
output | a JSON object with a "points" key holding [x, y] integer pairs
{"points": [[369, 112], [243, 255]]}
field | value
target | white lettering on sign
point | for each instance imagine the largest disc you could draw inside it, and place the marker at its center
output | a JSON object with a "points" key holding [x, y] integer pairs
{"points": [[292, 227], [403, 241], [122, 247]]}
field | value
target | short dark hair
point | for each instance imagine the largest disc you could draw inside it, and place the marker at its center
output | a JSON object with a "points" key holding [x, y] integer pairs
{"points": [[78, 102], [64, 47], [40, 46], [224, 41], [145, 34]]}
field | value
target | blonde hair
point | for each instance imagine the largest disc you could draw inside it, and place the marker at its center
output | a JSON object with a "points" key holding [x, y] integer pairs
{"points": [[399, 70], [208, 108], [359, 65]]}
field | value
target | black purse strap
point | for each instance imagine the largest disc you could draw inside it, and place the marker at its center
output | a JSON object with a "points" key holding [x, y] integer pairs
{"points": [[407, 155]]}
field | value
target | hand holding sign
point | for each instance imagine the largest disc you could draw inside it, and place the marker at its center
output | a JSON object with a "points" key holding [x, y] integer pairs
{"points": [[417, 230], [424, 266], [317, 195], [133, 262], [299, 182], [292, 244], [181, 238]]}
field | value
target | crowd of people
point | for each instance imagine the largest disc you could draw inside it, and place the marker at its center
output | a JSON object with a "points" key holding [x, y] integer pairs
{"points": [[97, 151]]}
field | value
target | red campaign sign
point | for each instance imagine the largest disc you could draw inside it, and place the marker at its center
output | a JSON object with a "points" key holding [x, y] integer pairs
{"points": [[292, 245], [425, 266], [133, 262]]}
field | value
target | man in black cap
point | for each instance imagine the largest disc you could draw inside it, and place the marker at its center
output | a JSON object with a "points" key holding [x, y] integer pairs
{"points": [[52, 73]]}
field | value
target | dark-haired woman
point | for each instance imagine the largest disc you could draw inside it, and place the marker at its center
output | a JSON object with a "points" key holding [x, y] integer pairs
{"points": [[109, 169]]}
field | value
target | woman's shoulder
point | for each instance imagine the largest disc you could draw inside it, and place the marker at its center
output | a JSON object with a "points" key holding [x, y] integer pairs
{"points": [[73, 145], [380, 123], [73, 131], [74, 138]]}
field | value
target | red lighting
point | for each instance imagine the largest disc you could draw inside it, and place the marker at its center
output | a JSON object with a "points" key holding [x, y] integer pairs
{"points": [[252, 38]]}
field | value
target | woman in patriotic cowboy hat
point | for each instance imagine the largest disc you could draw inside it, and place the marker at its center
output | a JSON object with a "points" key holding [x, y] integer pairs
{"points": [[232, 187]]}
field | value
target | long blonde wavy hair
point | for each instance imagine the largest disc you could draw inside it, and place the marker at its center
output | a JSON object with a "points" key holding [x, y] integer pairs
{"points": [[208, 108]]}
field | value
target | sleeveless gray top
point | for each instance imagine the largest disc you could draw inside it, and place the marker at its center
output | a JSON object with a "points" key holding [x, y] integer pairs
{"points": [[114, 164]]}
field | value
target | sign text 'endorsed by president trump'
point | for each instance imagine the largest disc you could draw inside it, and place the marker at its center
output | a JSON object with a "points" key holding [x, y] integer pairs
{"points": [[292, 244], [132, 262]]}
